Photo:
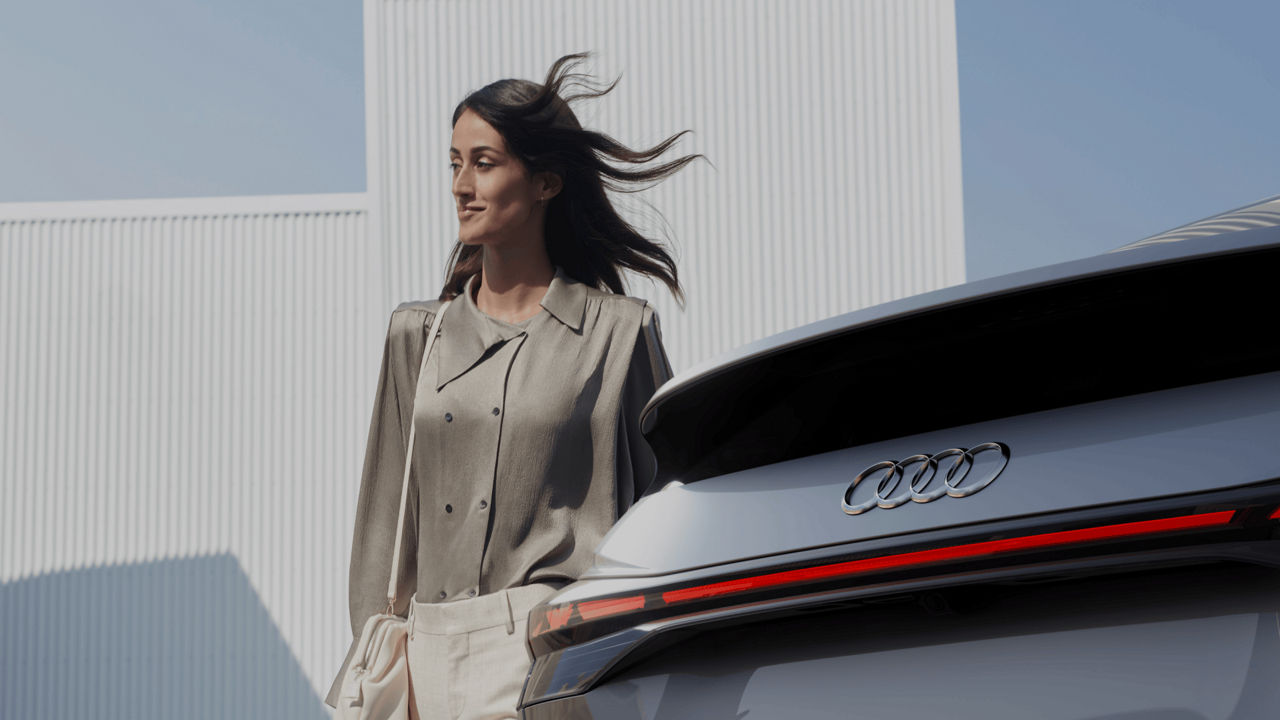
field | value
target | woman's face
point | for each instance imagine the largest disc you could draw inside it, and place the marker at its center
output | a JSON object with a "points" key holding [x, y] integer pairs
{"points": [[496, 197]]}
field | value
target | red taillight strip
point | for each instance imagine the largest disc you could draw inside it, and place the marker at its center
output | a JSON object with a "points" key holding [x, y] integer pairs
{"points": [[592, 609], [1275, 515], [558, 617], [953, 552]]}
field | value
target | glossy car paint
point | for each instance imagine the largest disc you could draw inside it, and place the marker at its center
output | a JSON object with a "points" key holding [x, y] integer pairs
{"points": [[1199, 643], [1188, 249], [1188, 629], [1145, 446]]}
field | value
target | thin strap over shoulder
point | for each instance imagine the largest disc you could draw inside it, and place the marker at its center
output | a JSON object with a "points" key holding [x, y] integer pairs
{"points": [[404, 489]]}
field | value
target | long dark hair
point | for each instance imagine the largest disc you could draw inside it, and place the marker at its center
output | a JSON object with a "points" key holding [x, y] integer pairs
{"points": [[584, 233]]}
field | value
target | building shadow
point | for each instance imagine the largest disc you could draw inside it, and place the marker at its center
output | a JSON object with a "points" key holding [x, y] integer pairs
{"points": [[174, 638]]}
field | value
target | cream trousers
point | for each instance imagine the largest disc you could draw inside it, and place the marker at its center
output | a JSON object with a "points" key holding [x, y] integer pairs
{"points": [[469, 658]]}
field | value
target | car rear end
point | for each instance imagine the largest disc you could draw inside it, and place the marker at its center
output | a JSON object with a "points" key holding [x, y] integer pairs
{"points": [[1054, 494]]}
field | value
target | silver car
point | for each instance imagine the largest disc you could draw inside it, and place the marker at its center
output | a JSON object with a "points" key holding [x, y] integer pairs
{"points": [[1052, 494]]}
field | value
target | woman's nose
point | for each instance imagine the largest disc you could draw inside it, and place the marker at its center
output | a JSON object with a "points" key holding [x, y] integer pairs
{"points": [[462, 183]]}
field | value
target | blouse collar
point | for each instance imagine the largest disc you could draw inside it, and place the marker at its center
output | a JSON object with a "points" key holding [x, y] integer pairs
{"points": [[467, 333], [566, 300]]}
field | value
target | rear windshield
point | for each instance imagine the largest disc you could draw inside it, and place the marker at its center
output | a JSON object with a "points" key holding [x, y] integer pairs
{"points": [[1080, 341]]}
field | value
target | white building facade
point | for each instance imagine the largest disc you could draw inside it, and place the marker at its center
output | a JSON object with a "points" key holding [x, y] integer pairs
{"points": [[187, 383]]}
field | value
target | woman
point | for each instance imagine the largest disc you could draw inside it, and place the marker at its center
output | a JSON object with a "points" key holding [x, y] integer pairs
{"points": [[527, 446]]}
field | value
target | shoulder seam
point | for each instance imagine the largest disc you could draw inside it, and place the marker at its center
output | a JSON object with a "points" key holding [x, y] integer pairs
{"points": [[402, 323], [627, 298], [424, 305]]}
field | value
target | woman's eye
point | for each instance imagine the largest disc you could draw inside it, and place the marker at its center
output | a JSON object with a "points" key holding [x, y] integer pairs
{"points": [[454, 166], [483, 163]]}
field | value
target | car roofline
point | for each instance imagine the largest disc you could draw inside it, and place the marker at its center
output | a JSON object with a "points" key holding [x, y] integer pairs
{"points": [[1135, 258]]}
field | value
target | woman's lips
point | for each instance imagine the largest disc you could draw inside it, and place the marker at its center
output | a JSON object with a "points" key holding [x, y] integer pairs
{"points": [[465, 213]]}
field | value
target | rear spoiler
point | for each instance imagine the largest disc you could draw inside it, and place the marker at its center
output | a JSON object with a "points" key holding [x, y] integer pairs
{"points": [[1144, 320]]}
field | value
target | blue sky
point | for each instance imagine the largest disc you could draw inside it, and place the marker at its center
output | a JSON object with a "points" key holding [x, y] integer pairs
{"points": [[1092, 123], [1085, 124], [178, 98]]}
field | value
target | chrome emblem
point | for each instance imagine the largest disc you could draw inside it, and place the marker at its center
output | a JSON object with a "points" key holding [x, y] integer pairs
{"points": [[959, 462]]}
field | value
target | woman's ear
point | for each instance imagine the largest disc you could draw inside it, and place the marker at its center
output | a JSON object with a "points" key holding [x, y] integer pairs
{"points": [[551, 184]]}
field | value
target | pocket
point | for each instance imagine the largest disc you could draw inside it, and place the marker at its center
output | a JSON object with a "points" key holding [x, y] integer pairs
{"points": [[496, 670], [455, 673], [436, 674], [522, 635]]}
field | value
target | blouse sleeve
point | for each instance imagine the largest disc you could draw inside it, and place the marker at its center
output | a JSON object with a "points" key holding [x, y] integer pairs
{"points": [[378, 506], [648, 371]]}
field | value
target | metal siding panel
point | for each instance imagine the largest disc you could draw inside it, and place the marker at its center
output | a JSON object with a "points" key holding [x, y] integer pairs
{"points": [[785, 231], [188, 382], [167, 408], [782, 232]]}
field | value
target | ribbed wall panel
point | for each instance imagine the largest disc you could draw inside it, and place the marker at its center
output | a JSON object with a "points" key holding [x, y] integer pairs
{"points": [[187, 383], [833, 126], [186, 392]]}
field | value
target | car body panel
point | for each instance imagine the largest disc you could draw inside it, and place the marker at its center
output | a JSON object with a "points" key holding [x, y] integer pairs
{"points": [[879, 375], [1140, 384], [1186, 250], [1153, 445], [1172, 645]]}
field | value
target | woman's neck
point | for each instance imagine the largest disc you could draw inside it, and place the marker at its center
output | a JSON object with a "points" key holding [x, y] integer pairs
{"points": [[513, 283]]}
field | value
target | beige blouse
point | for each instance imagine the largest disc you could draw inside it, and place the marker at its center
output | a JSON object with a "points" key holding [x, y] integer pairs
{"points": [[527, 449]]}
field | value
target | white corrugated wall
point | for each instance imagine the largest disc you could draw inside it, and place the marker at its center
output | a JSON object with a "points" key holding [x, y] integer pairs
{"points": [[186, 391], [833, 127], [187, 383]]}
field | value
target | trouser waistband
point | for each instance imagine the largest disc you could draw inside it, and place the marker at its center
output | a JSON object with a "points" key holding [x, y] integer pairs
{"points": [[502, 607]]}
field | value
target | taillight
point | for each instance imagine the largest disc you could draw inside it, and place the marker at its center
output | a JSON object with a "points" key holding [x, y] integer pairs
{"points": [[555, 626]]}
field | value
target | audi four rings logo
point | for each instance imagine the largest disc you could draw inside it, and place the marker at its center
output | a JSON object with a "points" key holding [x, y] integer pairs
{"points": [[957, 462]]}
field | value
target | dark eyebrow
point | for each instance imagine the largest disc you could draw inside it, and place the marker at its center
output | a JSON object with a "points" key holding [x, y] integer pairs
{"points": [[476, 149]]}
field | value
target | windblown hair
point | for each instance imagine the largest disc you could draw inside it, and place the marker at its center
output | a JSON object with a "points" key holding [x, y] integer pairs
{"points": [[584, 233]]}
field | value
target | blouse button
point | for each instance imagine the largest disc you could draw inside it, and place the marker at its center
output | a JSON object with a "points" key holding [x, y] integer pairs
{"points": [[442, 595], [448, 508], [448, 417], [471, 592], [495, 411], [483, 504]]}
